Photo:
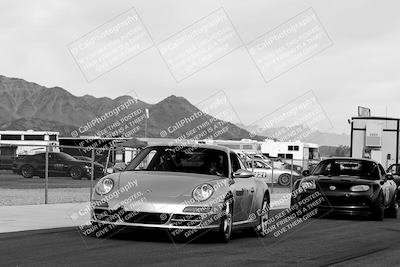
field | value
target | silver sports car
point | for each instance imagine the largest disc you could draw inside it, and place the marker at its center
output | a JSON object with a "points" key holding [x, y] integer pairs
{"points": [[185, 189], [264, 170]]}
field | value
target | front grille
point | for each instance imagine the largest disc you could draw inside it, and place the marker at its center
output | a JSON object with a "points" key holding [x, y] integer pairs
{"points": [[145, 217], [131, 216], [346, 201], [186, 220], [342, 186]]}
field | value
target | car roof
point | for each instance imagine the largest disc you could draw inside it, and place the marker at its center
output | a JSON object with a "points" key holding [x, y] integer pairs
{"points": [[186, 144]]}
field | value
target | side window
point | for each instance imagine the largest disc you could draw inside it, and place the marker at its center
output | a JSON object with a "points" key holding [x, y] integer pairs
{"points": [[235, 162], [392, 169], [241, 162], [145, 164], [382, 171]]}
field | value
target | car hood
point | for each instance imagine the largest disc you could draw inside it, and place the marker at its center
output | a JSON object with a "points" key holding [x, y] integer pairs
{"points": [[163, 184]]}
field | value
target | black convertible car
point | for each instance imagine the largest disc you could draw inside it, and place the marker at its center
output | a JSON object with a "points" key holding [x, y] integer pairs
{"points": [[60, 164], [349, 186]]}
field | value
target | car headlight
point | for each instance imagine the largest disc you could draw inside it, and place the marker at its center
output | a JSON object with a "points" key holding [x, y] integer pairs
{"points": [[104, 186], [308, 185], [203, 192], [359, 188]]}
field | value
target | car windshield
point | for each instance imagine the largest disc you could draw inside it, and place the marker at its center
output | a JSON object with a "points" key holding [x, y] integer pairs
{"points": [[181, 159], [348, 167]]}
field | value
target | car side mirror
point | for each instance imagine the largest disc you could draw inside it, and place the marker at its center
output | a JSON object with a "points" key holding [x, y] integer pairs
{"points": [[241, 173], [306, 173], [119, 168], [389, 177]]}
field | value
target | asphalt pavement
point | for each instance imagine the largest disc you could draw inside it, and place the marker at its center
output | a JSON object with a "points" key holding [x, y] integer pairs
{"points": [[334, 241]]}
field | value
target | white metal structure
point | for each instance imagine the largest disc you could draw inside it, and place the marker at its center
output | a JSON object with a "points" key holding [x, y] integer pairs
{"points": [[29, 142], [245, 145], [298, 151], [376, 138]]}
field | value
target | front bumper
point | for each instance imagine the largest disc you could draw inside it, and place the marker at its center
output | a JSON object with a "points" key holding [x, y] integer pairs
{"points": [[336, 202], [166, 217]]}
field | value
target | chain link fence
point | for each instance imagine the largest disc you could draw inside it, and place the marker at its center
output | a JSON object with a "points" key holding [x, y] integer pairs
{"points": [[56, 174]]}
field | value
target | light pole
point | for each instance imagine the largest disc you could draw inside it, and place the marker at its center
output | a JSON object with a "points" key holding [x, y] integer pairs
{"points": [[145, 122]]}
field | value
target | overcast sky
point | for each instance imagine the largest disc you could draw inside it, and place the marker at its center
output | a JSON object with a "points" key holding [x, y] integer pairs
{"points": [[361, 68]]}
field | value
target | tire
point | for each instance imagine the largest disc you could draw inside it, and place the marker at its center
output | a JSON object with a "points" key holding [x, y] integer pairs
{"points": [[284, 179], [378, 210], [27, 171], [261, 228], [76, 173], [225, 227], [391, 212]]}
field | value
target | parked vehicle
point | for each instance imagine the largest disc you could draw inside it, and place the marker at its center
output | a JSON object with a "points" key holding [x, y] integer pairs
{"points": [[59, 164], [263, 170], [350, 186], [84, 158], [183, 189], [6, 161]]}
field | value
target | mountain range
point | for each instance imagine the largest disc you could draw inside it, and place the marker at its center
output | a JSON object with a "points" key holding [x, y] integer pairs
{"points": [[26, 105]]}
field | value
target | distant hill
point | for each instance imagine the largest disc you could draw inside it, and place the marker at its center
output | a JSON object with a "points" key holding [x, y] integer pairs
{"points": [[329, 139], [317, 137], [26, 105], [334, 151]]}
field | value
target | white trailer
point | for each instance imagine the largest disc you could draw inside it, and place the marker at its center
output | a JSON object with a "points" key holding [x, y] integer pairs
{"points": [[29, 142], [302, 153]]}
